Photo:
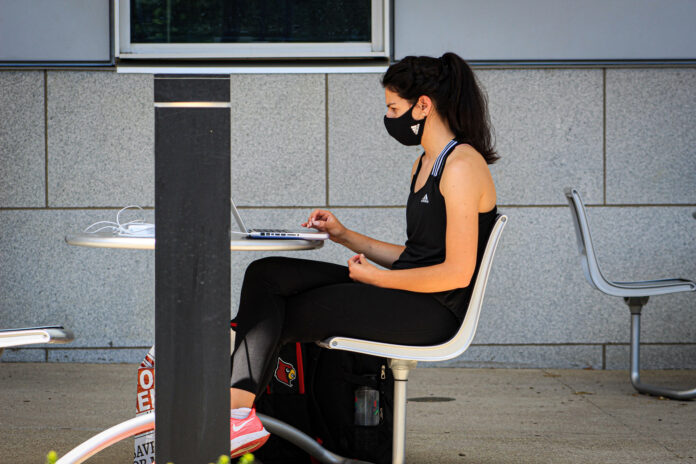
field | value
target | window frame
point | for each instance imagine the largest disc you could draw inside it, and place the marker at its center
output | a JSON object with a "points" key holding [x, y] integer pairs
{"points": [[379, 47]]}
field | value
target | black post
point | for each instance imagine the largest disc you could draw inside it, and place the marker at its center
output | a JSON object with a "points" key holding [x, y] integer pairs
{"points": [[192, 268]]}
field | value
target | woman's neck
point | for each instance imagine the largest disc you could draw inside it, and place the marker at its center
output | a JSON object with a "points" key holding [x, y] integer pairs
{"points": [[436, 135]]}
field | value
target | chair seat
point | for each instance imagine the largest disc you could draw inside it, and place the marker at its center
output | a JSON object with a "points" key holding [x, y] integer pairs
{"points": [[377, 349], [671, 285], [442, 352], [645, 288]]}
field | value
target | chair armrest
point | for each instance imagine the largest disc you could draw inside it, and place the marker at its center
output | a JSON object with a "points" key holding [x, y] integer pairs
{"points": [[60, 335], [33, 336]]}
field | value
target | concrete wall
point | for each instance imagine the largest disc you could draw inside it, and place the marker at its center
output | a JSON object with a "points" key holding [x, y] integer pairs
{"points": [[76, 146], [484, 30], [46, 30]]}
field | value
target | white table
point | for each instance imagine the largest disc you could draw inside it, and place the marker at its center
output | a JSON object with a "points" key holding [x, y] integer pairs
{"points": [[108, 239]]}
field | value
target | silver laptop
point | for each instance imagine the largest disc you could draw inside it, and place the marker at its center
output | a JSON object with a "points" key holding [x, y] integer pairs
{"points": [[304, 234]]}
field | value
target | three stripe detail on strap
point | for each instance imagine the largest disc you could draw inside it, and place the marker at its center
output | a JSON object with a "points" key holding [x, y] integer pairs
{"points": [[441, 158]]}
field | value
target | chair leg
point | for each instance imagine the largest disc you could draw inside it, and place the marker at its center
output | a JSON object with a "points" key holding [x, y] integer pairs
{"points": [[400, 368], [635, 305]]}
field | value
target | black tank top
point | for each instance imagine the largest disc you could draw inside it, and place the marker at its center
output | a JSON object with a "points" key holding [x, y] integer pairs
{"points": [[426, 227]]}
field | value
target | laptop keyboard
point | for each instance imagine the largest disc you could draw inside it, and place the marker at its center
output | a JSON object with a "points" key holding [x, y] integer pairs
{"points": [[276, 232]]}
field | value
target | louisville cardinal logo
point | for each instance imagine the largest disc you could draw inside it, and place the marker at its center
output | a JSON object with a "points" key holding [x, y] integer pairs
{"points": [[285, 373]]}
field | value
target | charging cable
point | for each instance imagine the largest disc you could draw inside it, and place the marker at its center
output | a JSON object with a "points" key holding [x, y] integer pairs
{"points": [[135, 228]]}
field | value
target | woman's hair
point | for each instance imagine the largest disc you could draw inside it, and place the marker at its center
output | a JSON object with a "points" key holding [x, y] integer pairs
{"points": [[451, 85]]}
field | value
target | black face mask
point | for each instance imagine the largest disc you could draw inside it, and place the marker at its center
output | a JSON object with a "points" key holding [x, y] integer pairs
{"points": [[405, 129]]}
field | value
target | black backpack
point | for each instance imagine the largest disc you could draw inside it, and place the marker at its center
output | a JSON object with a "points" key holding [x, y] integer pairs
{"points": [[320, 402], [286, 399]]}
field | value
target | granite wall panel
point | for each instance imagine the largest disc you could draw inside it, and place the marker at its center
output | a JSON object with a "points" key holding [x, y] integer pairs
{"points": [[548, 128], [22, 139], [366, 165], [278, 139], [100, 139], [651, 142]]}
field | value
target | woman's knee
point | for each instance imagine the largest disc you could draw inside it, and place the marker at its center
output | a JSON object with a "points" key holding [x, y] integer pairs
{"points": [[264, 267]]}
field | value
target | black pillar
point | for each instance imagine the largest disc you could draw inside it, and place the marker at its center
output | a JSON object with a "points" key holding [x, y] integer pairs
{"points": [[192, 268]]}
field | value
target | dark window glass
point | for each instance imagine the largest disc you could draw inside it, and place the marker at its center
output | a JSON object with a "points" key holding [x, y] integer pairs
{"points": [[243, 21]]}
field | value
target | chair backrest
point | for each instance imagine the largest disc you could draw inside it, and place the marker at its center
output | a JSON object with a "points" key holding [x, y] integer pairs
{"points": [[461, 341], [590, 266], [454, 346]]}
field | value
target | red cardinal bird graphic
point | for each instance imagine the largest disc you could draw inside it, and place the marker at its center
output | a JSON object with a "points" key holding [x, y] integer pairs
{"points": [[285, 373]]}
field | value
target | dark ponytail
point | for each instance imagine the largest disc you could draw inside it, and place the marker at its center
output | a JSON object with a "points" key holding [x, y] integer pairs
{"points": [[452, 86]]}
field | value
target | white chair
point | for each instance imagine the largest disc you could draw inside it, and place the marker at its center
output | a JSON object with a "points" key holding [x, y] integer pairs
{"points": [[34, 335], [635, 294], [403, 358]]}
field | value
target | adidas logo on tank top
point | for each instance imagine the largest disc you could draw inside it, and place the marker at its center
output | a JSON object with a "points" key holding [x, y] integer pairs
{"points": [[425, 199]]}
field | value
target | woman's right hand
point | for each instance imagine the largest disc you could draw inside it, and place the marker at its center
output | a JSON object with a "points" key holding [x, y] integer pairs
{"points": [[325, 221]]}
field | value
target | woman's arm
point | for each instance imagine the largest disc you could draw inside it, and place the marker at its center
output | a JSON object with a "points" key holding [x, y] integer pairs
{"points": [[428, 279], [382, 253]]}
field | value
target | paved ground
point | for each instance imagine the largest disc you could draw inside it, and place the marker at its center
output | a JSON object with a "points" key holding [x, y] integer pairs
{"points": [[497, 415]]}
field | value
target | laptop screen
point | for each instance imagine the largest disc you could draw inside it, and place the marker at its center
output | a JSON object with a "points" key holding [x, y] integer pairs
{"points": [[238, 218]]}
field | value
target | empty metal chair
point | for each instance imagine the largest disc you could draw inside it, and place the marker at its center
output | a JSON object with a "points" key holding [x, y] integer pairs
{"points": [[635, 294], [34, 335], [403, 358]]}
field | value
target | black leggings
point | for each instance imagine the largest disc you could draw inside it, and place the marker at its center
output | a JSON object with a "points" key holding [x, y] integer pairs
{"points": [[297, 300]]}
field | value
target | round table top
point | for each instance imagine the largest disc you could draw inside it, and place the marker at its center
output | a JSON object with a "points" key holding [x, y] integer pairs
{"points": [[108, 239]]}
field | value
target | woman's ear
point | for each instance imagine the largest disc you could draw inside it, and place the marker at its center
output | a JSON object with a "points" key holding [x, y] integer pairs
{"points": [[424, 106]]}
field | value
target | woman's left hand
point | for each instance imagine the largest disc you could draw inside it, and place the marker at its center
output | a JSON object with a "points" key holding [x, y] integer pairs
{"points": [[361, 270]]}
